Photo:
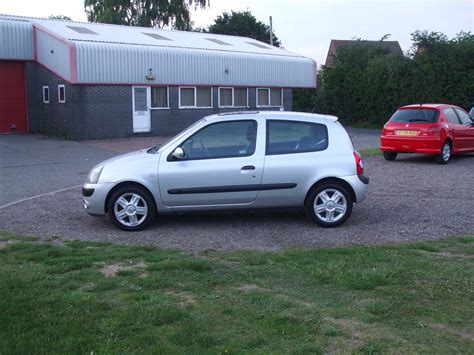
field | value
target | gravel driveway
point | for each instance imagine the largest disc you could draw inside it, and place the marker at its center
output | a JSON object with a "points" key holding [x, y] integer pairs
{"points": [[410, 199]]}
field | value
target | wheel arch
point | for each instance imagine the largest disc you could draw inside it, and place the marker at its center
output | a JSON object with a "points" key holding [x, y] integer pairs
{"points": [[131, 184], [335, 180]]}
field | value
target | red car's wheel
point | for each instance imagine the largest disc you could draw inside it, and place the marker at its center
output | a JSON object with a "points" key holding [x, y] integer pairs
{"points": [[445, 154]]}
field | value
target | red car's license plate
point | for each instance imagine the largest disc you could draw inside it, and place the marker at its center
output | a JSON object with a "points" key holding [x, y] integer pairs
{"points": [[406, 133]]}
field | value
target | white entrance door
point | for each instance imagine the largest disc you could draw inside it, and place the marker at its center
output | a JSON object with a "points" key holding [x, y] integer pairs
{"points": [[141, 109]]}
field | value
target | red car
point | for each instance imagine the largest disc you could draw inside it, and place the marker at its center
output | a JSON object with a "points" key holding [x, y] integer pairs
{"points": [[437, 129]]}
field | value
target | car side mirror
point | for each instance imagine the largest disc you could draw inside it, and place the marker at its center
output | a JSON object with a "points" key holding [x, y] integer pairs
{"points": [[178, 153]]}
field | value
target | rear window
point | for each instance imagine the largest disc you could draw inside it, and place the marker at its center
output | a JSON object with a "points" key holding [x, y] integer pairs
{"points": [[415, 115]]}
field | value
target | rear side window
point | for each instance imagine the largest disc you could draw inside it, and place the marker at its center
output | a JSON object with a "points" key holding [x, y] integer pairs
{"points": [[451, 116], [464, 117], [415, 115], [287, 137]]}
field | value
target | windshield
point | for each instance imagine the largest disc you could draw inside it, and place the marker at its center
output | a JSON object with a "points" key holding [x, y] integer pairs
{"points": [[415, 115], [155, 148]]}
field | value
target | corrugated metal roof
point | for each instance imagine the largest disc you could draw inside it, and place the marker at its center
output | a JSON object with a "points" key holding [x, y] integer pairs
{"points": [[144, 36], [16, 40], [93, 53]]}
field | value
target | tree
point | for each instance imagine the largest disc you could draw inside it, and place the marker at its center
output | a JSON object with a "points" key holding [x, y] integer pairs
{"points": [[145, 13], [242, 23], [59, 17]]}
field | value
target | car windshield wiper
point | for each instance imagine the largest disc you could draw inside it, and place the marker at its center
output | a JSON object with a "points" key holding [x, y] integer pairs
{"points": [[417, 120], [153, 149]]}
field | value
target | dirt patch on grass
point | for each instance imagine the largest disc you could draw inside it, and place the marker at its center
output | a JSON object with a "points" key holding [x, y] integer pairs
{"points": [[5, 244], [447, 254], [445, 328], [249, 287], [111, 270], [352, 327], [185, 298]]}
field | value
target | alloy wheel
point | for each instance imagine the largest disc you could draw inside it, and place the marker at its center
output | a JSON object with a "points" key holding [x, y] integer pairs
{"points": [[330, 205], [130, 209]]}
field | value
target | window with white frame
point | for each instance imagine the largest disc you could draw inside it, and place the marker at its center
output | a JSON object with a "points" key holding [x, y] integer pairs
{"points": [[159, 97], [46, 94], [269, 97], [241, 97], [195, 97], [61, 94], [276, 98], [233, 97]]}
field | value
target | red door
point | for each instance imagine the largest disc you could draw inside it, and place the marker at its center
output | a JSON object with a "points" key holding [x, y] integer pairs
{"points": [[12, 97]]}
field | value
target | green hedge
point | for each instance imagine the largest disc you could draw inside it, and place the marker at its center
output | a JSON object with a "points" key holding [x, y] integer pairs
{"points": [[366, 85]]}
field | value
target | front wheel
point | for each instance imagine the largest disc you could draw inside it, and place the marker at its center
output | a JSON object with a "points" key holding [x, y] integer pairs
{"points": [[329, 205], [389, 156], [445, 154], [131, 208]]}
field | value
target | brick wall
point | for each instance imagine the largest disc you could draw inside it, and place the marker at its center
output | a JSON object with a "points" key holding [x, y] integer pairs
{"points": [[105, 111]]}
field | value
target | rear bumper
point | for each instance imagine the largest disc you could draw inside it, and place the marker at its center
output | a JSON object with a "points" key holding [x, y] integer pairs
{"points": [[360, 186], [424, 145]]}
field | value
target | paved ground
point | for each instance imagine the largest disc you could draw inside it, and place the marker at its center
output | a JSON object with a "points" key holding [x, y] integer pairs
{"points": [[32, 164], [410, 199]]}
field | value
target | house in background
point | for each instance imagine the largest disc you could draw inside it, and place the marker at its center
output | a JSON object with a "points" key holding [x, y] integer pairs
{"points": [[91, 81], [392, 48]]}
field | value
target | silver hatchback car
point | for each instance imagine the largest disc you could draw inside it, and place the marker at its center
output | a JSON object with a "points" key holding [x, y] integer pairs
{"points": [[241, 160]]}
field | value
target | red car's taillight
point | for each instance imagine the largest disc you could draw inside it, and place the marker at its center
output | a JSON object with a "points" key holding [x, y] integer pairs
{"points": [[359, 163], [434, 130], [387, 132]]}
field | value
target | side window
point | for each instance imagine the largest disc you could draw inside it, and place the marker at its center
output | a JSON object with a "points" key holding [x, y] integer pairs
{"points": [[269, 97], [263, 97], [46, 94], [159, 97], [451, 116], [465, 119], [190, 97], [222, 140], [288, 137], [61, 94]]}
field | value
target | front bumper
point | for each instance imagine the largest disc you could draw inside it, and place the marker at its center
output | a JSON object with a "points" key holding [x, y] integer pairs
{"points": [[94, 196], [419, 144]]}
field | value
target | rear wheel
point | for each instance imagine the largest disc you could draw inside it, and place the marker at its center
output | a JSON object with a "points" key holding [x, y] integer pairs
{"points": [[390, 156], [445, 154], [131, 208], [329, 205]]}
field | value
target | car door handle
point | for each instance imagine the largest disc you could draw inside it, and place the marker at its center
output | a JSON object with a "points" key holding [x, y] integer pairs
{"points": [[248, 167]]}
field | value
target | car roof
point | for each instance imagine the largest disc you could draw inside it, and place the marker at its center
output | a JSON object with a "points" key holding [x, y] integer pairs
{"points": [[278, 115], [432, 106]]}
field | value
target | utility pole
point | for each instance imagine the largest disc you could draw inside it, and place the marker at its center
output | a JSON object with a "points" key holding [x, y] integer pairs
{"points": [[271, 31]]}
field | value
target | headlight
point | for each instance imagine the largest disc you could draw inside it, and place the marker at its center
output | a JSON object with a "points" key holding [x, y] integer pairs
{"points": [[94, 175]]}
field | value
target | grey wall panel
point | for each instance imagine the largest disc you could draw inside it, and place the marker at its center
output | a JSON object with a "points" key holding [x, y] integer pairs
{"points": [[54, 54], [112, 63], [16, 40]]}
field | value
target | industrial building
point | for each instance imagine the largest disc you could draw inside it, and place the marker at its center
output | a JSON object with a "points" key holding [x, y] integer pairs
{"points": [[81, 81]]}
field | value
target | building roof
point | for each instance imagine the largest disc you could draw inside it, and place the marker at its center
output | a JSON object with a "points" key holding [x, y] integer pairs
{"points": [[392, 47], [102, 53]]}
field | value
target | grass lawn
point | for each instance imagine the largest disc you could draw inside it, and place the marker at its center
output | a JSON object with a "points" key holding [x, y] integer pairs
{"points": [[369, 152], [82, 297]]}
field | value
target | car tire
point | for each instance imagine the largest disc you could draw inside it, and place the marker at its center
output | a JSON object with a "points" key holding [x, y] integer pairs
{"points": [[329, 205], [445, 154], [131, 208], [389, 156]]}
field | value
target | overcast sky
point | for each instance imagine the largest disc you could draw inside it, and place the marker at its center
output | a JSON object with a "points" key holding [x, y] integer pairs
{"points": [[306, 27]]}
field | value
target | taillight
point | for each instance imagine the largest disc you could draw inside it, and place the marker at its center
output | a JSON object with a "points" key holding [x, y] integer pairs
{"points": [[434, 130], [387, 132], [359, 163]]}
